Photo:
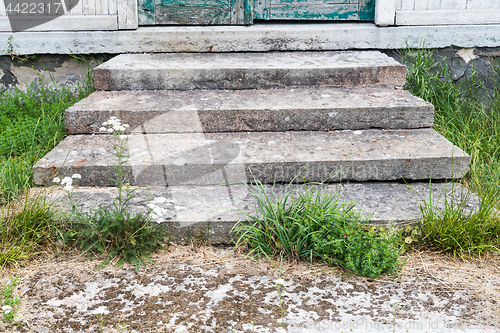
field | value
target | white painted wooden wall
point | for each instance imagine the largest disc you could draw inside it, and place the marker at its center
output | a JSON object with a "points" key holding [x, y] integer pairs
{"points": [[436, 12], [87, 15]]}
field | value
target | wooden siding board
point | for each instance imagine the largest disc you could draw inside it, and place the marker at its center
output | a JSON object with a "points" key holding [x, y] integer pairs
{"points": [[408, 5], [452, 17], [193, 12], [88, 7], [102, 7], [2, 9], [385, 12], [112, 7], [127, 14], [76, 7], [420, 5], [71, 23]]}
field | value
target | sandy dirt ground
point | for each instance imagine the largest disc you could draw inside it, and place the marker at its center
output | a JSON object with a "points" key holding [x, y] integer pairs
{"points": [[213, 289]]}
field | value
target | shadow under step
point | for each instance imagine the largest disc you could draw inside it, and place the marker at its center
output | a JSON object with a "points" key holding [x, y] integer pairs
{"points": [[220, 158], [310, 109], [186, 71], [212, 211]]}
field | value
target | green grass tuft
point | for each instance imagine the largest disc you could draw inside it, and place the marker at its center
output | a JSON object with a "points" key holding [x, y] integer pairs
{"points": [[317, 226]]}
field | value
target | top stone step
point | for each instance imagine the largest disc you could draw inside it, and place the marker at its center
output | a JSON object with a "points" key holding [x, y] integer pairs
{"points": [[187, 71]]}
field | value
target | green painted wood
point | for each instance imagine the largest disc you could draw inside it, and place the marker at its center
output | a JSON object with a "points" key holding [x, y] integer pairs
{"points": [[243, 12], [367, 10], [193, 12], [146, 12], [262, 9], [313, 10]]}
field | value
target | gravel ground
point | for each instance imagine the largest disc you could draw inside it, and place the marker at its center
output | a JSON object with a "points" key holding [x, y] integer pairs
{"points": [[213, 289]]}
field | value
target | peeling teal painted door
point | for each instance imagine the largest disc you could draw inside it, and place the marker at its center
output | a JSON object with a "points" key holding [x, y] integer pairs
{"points": [[241, 12]]}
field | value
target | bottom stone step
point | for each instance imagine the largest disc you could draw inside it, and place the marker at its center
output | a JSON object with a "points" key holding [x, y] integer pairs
{"points": [[214, 210]]}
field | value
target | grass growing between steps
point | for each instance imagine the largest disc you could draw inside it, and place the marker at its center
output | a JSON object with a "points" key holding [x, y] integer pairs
{"points": [[31, 124], [317, 226], [468, 115]]}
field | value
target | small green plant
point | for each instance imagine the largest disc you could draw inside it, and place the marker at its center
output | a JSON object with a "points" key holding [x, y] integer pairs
{"points": [[26, 226], [316, 225], [13, 55], [10, 302], [121, 327], [279, 285], [114, 232], [463, 225], [396, 307]]}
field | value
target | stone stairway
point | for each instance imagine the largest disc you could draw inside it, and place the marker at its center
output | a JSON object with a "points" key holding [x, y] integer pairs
{"points": [[202, 126]]}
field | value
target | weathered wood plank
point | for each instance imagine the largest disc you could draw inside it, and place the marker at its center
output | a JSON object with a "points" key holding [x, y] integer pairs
{"points": [[112, 7], [2, 9], [385, 12], [88, 7], [146, 12], [261, 10], [450, 4], [475, 4], [420, 5], [248, 12], [193, 12], [237, 12], [366, 10], [407, 5], [76, 7], [317, 10], [102, 7], [441, 17], [71, 23], [127, 14]]}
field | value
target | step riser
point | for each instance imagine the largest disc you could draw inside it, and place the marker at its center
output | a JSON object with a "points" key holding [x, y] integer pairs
{"points": [[244, 79], [214, 210], [248, 71], [161, 175], [250, 110], [201, 159]]}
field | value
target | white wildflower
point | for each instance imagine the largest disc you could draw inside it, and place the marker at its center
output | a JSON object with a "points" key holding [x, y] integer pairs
{"points": [[125, 125], [67, 181], [110, 130], [123, 137], [102, 129], [56, 180], [6, 309], [119, 128], [68, 188], [76, 176], [279, 281]]}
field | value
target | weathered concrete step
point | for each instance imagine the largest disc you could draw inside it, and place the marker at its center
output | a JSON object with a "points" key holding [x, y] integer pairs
{"points": [[219, 158], [187, 71], [310, 109], [214, 210]]}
